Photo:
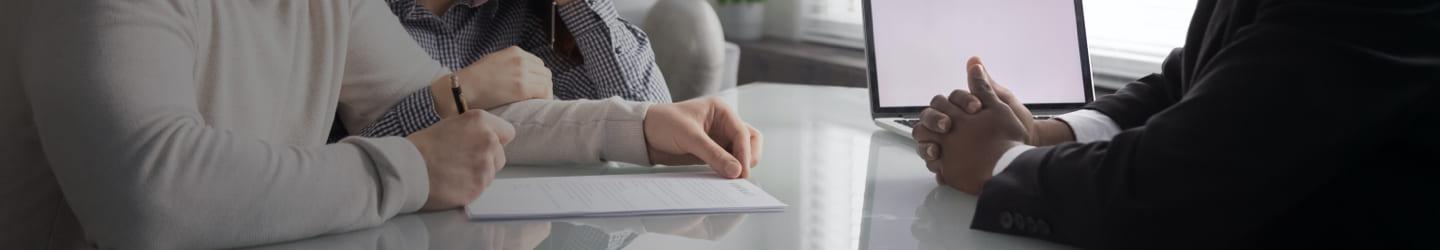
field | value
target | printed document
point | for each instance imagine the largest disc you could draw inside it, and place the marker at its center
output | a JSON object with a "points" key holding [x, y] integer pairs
{"points": [[618, 195]]}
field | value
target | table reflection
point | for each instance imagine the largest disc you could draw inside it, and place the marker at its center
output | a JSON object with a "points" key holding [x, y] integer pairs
{"points": [[944, 214], [906, 209], [451, 230]]}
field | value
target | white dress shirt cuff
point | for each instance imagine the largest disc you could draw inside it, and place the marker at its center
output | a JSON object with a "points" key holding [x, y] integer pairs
{"points": [[1009, 156], [1090, 125]]}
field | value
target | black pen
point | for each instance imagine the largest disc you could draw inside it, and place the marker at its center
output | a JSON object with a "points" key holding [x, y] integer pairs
{"points": [[455, 92]]}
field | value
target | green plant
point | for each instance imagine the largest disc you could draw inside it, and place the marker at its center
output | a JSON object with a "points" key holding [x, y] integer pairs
{"points": [[729, 2]]}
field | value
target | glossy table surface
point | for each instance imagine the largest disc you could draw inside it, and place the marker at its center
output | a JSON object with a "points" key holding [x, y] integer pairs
{"points": [[848, 184]]}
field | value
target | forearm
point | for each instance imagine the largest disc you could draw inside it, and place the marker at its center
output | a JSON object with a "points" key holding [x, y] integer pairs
{"points": [[568, 132]]}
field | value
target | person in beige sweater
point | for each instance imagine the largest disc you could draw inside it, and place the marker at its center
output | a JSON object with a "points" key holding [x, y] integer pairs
{"points": [[202, 124]]}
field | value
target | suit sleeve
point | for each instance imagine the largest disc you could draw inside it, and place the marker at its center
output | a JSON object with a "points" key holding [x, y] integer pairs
{"points": [[1220, 163], [1130, 106]]}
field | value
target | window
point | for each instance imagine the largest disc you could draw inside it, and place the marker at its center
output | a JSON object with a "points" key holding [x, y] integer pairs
{"points": [[834, 22], [1127, 38], [1130, 38]]}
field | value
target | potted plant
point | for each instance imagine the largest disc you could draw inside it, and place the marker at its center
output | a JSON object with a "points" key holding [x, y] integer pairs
{"points": [[742, 20]]}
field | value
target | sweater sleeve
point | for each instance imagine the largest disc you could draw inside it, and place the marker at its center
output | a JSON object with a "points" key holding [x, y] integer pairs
{"points": [[547, 131], [141, 166], [383, 67], [569, 132]]}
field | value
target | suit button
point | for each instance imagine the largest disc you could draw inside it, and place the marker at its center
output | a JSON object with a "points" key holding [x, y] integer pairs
{"points": [[1042, 228], [1006, 220], [1027, 224]]}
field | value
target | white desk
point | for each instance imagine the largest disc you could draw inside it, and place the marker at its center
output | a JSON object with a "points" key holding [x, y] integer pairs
{"points": [[849, 186]]}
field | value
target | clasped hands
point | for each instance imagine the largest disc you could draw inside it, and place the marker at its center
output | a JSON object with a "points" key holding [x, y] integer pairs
{"points": [[963, 135]]}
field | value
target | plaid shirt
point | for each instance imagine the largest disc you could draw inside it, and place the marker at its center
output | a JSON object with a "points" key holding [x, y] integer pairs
{"points": [[617, 56]]}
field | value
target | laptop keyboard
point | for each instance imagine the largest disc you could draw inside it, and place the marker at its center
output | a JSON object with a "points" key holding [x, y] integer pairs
{"points": [[912, 122], [908, 122]]}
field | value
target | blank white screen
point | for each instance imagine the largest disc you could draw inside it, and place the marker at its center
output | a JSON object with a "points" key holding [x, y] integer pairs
{"points": [[1029, 46]]}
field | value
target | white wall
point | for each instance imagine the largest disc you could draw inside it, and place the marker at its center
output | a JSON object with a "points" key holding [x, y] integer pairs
{"points": [[635, 11], [782, 17]]}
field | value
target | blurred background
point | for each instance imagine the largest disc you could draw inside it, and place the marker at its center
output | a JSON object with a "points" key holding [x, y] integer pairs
{"points": [[705, 46]]}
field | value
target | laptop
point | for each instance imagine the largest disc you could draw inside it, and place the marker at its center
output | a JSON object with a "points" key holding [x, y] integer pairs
{"points": [[918, 48]]}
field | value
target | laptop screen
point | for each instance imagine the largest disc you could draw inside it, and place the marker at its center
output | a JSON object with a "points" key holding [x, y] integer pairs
{"points": [[1033, 47]]}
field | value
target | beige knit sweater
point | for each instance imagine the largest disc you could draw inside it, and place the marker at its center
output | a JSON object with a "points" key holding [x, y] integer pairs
{"points": [[201, 123]]}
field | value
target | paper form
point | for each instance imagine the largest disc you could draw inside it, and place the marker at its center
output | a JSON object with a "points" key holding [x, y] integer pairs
{"points": [[618, 195]]}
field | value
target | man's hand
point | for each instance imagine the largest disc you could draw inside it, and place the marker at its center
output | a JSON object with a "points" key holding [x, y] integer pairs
{"points": [[1032, 127], [1027, 119], [462, 154], [702, 130], [1037, 133], [506, 76], [964, 157]]}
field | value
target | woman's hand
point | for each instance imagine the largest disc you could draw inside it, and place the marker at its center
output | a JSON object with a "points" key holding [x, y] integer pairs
{"points": [[703, 130]]}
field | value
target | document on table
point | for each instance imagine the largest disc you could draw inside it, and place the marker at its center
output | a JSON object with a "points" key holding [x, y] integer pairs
{"points": [[618, 195]]}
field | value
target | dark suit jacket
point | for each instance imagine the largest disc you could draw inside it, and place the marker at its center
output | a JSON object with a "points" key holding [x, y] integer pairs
{"points": [[1279, 124]]}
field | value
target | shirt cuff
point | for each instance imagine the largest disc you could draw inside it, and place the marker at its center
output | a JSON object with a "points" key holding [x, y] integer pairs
{"points": [[1090, 125], [1009, 156], [410, 115]]}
